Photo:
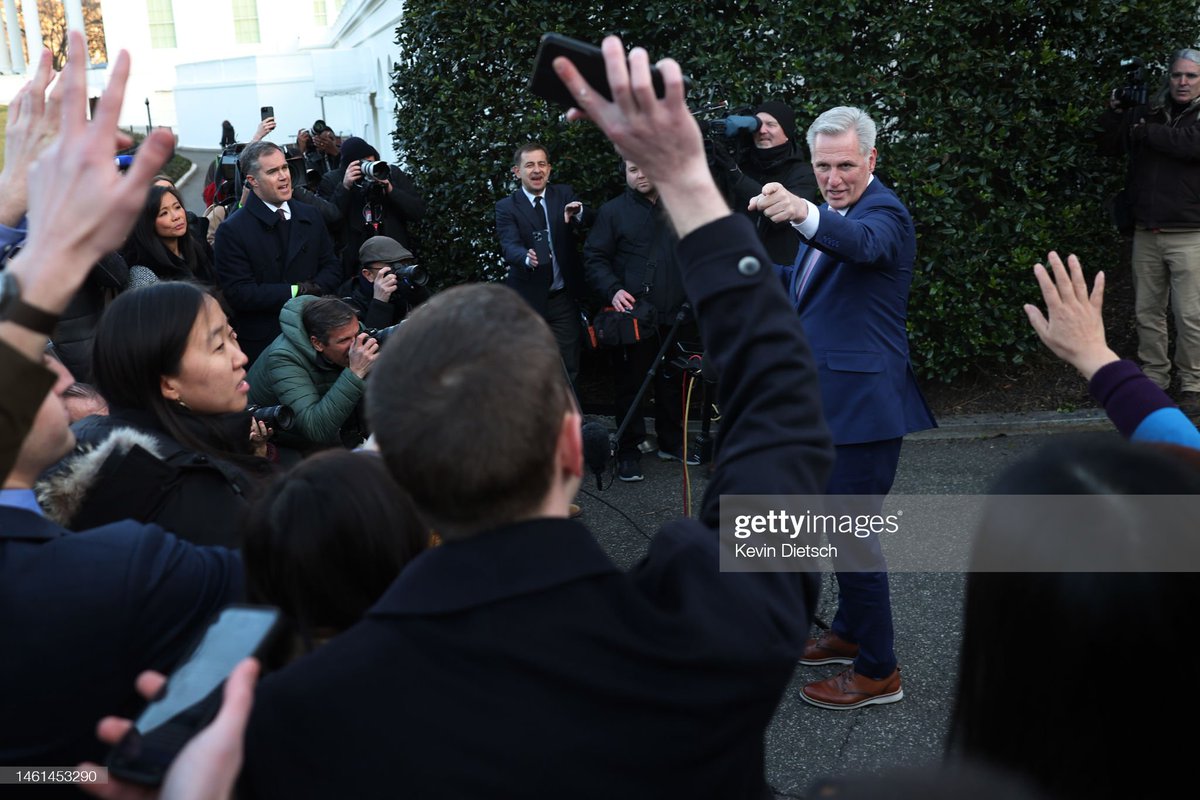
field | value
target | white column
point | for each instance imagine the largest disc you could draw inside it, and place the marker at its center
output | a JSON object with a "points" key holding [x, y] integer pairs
{"points": [[33, 30], [5, 56], [74, 9], [14, 36]]}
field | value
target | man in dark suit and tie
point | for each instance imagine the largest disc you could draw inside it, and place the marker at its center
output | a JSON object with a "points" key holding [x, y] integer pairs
{"points": [[850, 284], [270, 250], [536, 224]]}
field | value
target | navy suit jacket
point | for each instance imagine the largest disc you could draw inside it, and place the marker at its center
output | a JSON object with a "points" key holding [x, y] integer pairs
{"points": [[854, 309], [523, 662], [81, 614], [256, 276], [515, 224]]}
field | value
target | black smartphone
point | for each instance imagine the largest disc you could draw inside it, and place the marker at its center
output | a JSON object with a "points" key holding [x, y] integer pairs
{"points": [[193, 693], [541, 246], [588, 59], [267, 112]]}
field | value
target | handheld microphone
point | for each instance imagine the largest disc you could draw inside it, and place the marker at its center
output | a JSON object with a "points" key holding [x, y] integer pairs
{"points": [[597, 449]]}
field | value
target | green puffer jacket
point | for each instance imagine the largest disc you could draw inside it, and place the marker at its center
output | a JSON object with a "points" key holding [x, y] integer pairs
{"points": [[290, 372]]}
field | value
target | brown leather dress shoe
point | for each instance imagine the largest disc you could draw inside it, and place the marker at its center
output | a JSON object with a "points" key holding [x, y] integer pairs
{"points": [[574, 511], [828, 648], [848, 690]]}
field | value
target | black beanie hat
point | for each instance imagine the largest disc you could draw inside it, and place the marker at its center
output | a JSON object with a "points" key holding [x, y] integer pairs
{"points": [[355, 149], [783, 114]]}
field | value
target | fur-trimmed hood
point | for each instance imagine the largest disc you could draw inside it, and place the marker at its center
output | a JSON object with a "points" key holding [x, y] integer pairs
{"points": [[61, 493]]}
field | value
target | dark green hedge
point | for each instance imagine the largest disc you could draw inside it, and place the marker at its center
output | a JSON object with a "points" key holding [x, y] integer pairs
{"points": [[986, 112]]}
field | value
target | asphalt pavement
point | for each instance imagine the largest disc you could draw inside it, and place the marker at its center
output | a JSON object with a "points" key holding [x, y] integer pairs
{"points": [[805, 743]]}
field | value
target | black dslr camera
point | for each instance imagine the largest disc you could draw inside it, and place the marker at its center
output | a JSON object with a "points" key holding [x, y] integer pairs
{"points": [[410, 274], [1134, 92], [278, 417], [381, 335]]}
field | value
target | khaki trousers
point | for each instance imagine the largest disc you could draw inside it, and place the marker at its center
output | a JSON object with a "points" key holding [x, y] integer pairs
{"points": [[1166, 270]]}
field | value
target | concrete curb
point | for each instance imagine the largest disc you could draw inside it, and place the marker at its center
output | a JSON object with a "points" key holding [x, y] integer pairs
{"points": [[979, 426], [179, 184]]}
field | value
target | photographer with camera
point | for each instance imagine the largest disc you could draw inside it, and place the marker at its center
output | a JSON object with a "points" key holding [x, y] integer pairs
{"points": [[323, 156], [776, 157], [390, 283], [630, 258], [1162, 139], [317, 366], [375, 198]]}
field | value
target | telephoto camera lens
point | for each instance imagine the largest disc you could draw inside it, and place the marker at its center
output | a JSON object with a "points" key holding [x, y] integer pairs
{"points": [[278, 417], [377, 170], [413, 274]]}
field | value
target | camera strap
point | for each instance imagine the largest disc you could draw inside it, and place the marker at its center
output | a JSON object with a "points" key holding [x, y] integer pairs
{"points": [[372, 215]]}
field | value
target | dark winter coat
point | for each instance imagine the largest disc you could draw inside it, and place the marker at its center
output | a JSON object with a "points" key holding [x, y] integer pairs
{"points": [[1164, 174], [126, 467], [629, 235]]}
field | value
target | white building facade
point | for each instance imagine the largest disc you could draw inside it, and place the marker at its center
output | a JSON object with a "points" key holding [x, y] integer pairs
{"points": [[200, 63]]}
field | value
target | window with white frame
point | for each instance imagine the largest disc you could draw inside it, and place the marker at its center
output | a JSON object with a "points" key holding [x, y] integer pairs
{"points": [[245, 21], [162, 23]]}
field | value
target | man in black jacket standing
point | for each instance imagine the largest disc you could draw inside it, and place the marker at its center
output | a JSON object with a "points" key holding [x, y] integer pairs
{"points": [[776, 157], [373, 199], [1162, 140], [630, 257]]}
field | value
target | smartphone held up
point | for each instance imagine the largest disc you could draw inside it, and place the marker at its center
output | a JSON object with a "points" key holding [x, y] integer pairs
{"points": [[193, 693], [588, 59]]}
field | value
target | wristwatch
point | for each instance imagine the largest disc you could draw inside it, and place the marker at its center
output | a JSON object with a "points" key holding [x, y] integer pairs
{"points": [[14, 309]]}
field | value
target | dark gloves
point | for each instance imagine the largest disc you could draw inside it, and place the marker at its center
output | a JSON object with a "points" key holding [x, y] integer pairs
{"points": [[308, 287]]}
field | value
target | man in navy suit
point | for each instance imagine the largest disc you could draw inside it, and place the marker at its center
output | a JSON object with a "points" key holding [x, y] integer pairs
{"points": [[850, 284], [270, 250], [542, 217]]}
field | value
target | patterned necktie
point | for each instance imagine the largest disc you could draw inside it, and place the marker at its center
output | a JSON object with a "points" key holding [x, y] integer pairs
{"points": [[810, 261], [556, 281]]}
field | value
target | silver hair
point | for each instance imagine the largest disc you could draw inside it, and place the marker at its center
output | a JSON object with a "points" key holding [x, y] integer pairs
{"points": [[1187, 54], [249, 158], [838, 120]]}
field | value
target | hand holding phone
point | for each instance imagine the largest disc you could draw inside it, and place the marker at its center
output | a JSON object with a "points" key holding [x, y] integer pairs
{"points": [[541, 246], [209, 765], [588, 59], [193, 693]]}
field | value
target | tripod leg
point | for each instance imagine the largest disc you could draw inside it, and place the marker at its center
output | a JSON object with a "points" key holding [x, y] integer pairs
{"points": [[635, 406]]}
